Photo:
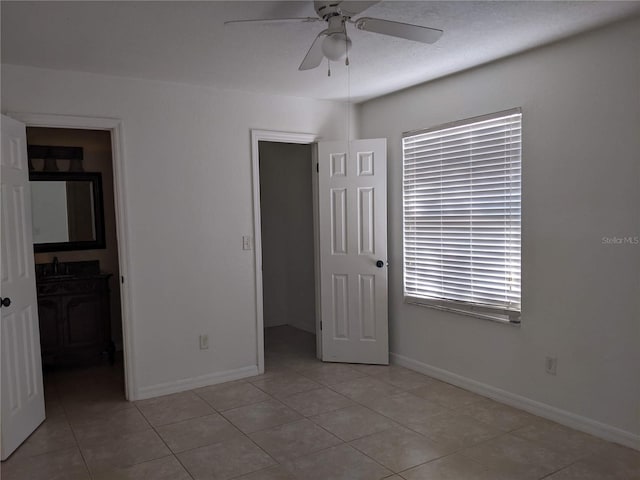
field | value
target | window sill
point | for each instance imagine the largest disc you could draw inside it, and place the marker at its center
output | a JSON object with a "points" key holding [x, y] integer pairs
{"points": [[496, 318]]}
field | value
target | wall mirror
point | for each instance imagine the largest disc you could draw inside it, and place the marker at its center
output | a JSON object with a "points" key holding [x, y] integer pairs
{"points": [[67, 211]]}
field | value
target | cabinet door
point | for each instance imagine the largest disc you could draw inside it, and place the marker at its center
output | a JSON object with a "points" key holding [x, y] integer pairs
{"points": [[50, 329], [83, 325]]}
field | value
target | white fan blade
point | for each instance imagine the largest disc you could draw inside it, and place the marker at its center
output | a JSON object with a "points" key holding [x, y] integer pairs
{"points": [[351, 8], [276, 20], [314, 55], [398, 29]]}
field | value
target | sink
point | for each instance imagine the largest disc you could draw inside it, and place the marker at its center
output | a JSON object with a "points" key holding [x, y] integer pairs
{"points": [[66, 270]]}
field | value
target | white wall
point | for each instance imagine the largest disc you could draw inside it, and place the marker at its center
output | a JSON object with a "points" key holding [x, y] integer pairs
{"points": [[581, 182], [287, 235], [187, 167]]}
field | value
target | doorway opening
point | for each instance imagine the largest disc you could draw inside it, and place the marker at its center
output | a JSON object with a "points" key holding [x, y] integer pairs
{"points": [[77, 264], [288, 257], [307, 187], [349, 215]]}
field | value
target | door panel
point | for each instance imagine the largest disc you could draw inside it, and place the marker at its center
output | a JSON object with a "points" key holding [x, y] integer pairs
{"points": [[366, 221], [339, 221], [353, 237], [22, 395], [367, 299], [340, 298]]}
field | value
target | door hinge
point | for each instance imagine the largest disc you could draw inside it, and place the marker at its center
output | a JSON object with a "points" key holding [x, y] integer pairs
{"points": [[320, 325], [318, 167], [122, 280]]}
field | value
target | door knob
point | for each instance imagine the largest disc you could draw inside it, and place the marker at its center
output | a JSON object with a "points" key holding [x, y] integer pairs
{"points": [[379, 264], [5, 302]]}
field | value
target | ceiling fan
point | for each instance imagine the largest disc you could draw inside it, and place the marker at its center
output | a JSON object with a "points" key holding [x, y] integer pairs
{"points": [[334, 43]]}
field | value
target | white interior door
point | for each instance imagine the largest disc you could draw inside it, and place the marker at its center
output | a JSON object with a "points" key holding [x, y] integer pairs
{"points": [[352, 187], [22, 395]]}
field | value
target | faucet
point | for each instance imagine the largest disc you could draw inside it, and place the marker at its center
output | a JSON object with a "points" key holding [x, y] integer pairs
{"points": [[55, 265]]}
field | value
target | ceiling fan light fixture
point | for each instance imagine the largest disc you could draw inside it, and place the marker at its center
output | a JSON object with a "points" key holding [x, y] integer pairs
{"points": [[336, 46]]}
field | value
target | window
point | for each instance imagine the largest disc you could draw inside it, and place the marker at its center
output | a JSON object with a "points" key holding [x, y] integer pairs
{"points": [[461, 203]]}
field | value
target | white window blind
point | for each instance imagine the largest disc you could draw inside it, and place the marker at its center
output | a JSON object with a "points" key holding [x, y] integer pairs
{"points": [[461, 200]]}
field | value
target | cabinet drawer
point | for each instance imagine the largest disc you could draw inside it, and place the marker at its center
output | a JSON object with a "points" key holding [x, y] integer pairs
{"points": [[71, 287]]}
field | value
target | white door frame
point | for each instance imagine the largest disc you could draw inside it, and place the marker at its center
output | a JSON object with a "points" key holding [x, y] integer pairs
{"points": [[281, 137], [114, 126]]}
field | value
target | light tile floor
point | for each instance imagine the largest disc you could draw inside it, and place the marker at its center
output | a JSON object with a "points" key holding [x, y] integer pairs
{"points": [[303, 420]]}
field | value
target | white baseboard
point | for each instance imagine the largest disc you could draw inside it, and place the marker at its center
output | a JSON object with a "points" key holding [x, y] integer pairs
{"points": [[305, 328], [194, 382], [578, 422]]}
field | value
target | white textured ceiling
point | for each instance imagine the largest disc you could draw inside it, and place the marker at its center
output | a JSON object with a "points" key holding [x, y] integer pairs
{"points": [[183, 41]]}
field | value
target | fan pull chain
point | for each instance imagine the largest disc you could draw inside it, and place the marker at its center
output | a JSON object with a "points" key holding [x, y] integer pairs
{"points": [[328, 68], [346, 46]]}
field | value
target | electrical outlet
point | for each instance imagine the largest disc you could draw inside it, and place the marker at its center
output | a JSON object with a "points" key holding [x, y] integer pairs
{"points": [[551, 365], [204, 342], [246, 242]]}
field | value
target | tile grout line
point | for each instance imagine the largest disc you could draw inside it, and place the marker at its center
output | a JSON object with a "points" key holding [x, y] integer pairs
{"points": [[353, 447], [151, 427], [396, 424], [375, 375], [218, 412], [91, 473], [558, 470], [164, 442], [75, 437], [343, 442], [244, 434]]}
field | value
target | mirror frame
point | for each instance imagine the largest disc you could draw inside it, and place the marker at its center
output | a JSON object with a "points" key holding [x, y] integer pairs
{"points": [[98, 212]]}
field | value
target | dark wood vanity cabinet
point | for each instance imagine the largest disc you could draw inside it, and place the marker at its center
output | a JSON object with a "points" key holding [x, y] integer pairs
{"points": [[75, 323]]}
